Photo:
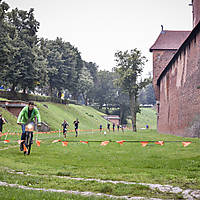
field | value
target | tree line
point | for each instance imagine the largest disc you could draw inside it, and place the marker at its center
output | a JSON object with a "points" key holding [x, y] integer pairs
{"points": [[55, 67], [32, 64]]}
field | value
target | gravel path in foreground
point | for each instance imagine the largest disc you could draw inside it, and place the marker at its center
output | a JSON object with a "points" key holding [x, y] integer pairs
{"points": [[187, 194]]}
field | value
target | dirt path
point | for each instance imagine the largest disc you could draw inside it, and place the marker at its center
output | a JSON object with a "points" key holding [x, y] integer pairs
{"points": [[74, 192]]}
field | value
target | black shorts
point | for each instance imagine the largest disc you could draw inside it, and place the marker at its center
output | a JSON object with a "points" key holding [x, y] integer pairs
{"points": [[64, 131]]}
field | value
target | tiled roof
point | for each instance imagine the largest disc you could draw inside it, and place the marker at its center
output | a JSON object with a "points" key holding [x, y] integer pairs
{"points": [[186, 42], [170, 40]]}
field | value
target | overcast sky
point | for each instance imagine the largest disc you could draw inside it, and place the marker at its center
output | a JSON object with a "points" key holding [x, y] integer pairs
{"points": [[98, 28]]}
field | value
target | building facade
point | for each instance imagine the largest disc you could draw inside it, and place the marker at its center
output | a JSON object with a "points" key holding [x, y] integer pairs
{"points": [[176, 79]]}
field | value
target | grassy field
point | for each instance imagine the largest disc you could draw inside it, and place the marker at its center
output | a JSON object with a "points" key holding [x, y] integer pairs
{"points": [[170, 164], [52, 166]]}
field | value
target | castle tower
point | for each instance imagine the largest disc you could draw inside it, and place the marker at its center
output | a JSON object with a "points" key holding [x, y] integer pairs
{"points": [[164, 48], [196, 12]]}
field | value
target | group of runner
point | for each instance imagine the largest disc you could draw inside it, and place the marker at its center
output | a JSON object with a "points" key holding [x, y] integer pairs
{"points": [[108, 127], [65, 125]]}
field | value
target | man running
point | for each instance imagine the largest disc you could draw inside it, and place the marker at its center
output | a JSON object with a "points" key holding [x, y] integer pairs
{"points": [[100, 128], [2, 121], [108, 127], [65, 125], [76, 122], [27, 114]]}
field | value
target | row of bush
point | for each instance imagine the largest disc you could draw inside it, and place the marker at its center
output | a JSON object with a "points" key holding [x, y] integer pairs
{"points": [[31, 97]]}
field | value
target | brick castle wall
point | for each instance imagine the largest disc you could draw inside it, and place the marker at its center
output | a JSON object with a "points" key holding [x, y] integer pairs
{"points": [[179, 109], [196, 12], [160, 59]]}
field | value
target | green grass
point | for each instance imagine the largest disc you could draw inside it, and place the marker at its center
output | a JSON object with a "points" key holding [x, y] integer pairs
{"points": [[55, 114], [7, 193], [147, 116], [89, 118], [11, 126], [170, 164]]}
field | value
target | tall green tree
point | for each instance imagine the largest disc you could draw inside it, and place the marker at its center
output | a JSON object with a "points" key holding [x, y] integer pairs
{"points": [[85, 83], [147, 96], [5, 42], [150, 95], [21, 70], [129, 67], [64, 66], [104, 91], [92, 68]]}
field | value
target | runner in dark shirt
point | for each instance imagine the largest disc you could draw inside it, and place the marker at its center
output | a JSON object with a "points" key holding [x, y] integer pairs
{"points": [[100, 127], [108, 127], [2, 121], [76, 122], [113, 127], [65, 125], [118, 127]]}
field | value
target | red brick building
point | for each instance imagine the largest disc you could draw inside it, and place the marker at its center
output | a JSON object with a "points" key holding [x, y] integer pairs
{"points": [[114, 119], [13, 107], [176, 79]]}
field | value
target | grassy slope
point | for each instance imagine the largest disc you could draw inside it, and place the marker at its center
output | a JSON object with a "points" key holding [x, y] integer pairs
{"points": [[147, 116], [11, 126], [89, 118], [55, 114]]}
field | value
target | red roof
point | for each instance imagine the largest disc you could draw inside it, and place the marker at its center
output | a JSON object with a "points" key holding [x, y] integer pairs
{"points": [[170, 40]]}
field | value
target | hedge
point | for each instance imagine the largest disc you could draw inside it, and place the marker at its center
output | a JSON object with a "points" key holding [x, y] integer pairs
{"points": [[30, 97]]}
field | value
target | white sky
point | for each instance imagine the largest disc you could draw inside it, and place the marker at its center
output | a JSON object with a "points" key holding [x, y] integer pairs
{"points": [[98, 28]]}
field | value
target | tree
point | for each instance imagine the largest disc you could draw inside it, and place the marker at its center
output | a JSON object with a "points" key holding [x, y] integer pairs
{"points": [[90, 77], [129, 68], [20, 68], [150, 96], [64, 65], [146, 95], [104, 91], [123, 102], [5, 41], [85, 83]]}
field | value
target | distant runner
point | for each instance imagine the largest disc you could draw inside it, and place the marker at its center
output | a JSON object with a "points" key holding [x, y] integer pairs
{"points": [[100, 127], [2, 121], [65, 125], [76, 122], [108, 127]]}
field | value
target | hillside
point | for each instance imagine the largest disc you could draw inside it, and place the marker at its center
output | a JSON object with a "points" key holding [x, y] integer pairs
{"points": [[147, 116], [53, 114]]}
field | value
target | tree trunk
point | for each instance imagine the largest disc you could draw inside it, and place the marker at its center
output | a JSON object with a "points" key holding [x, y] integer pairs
{"points": [[85, 99], [132, 102], [122, 113], [74, 96], [51, 90], [13, 87]]}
